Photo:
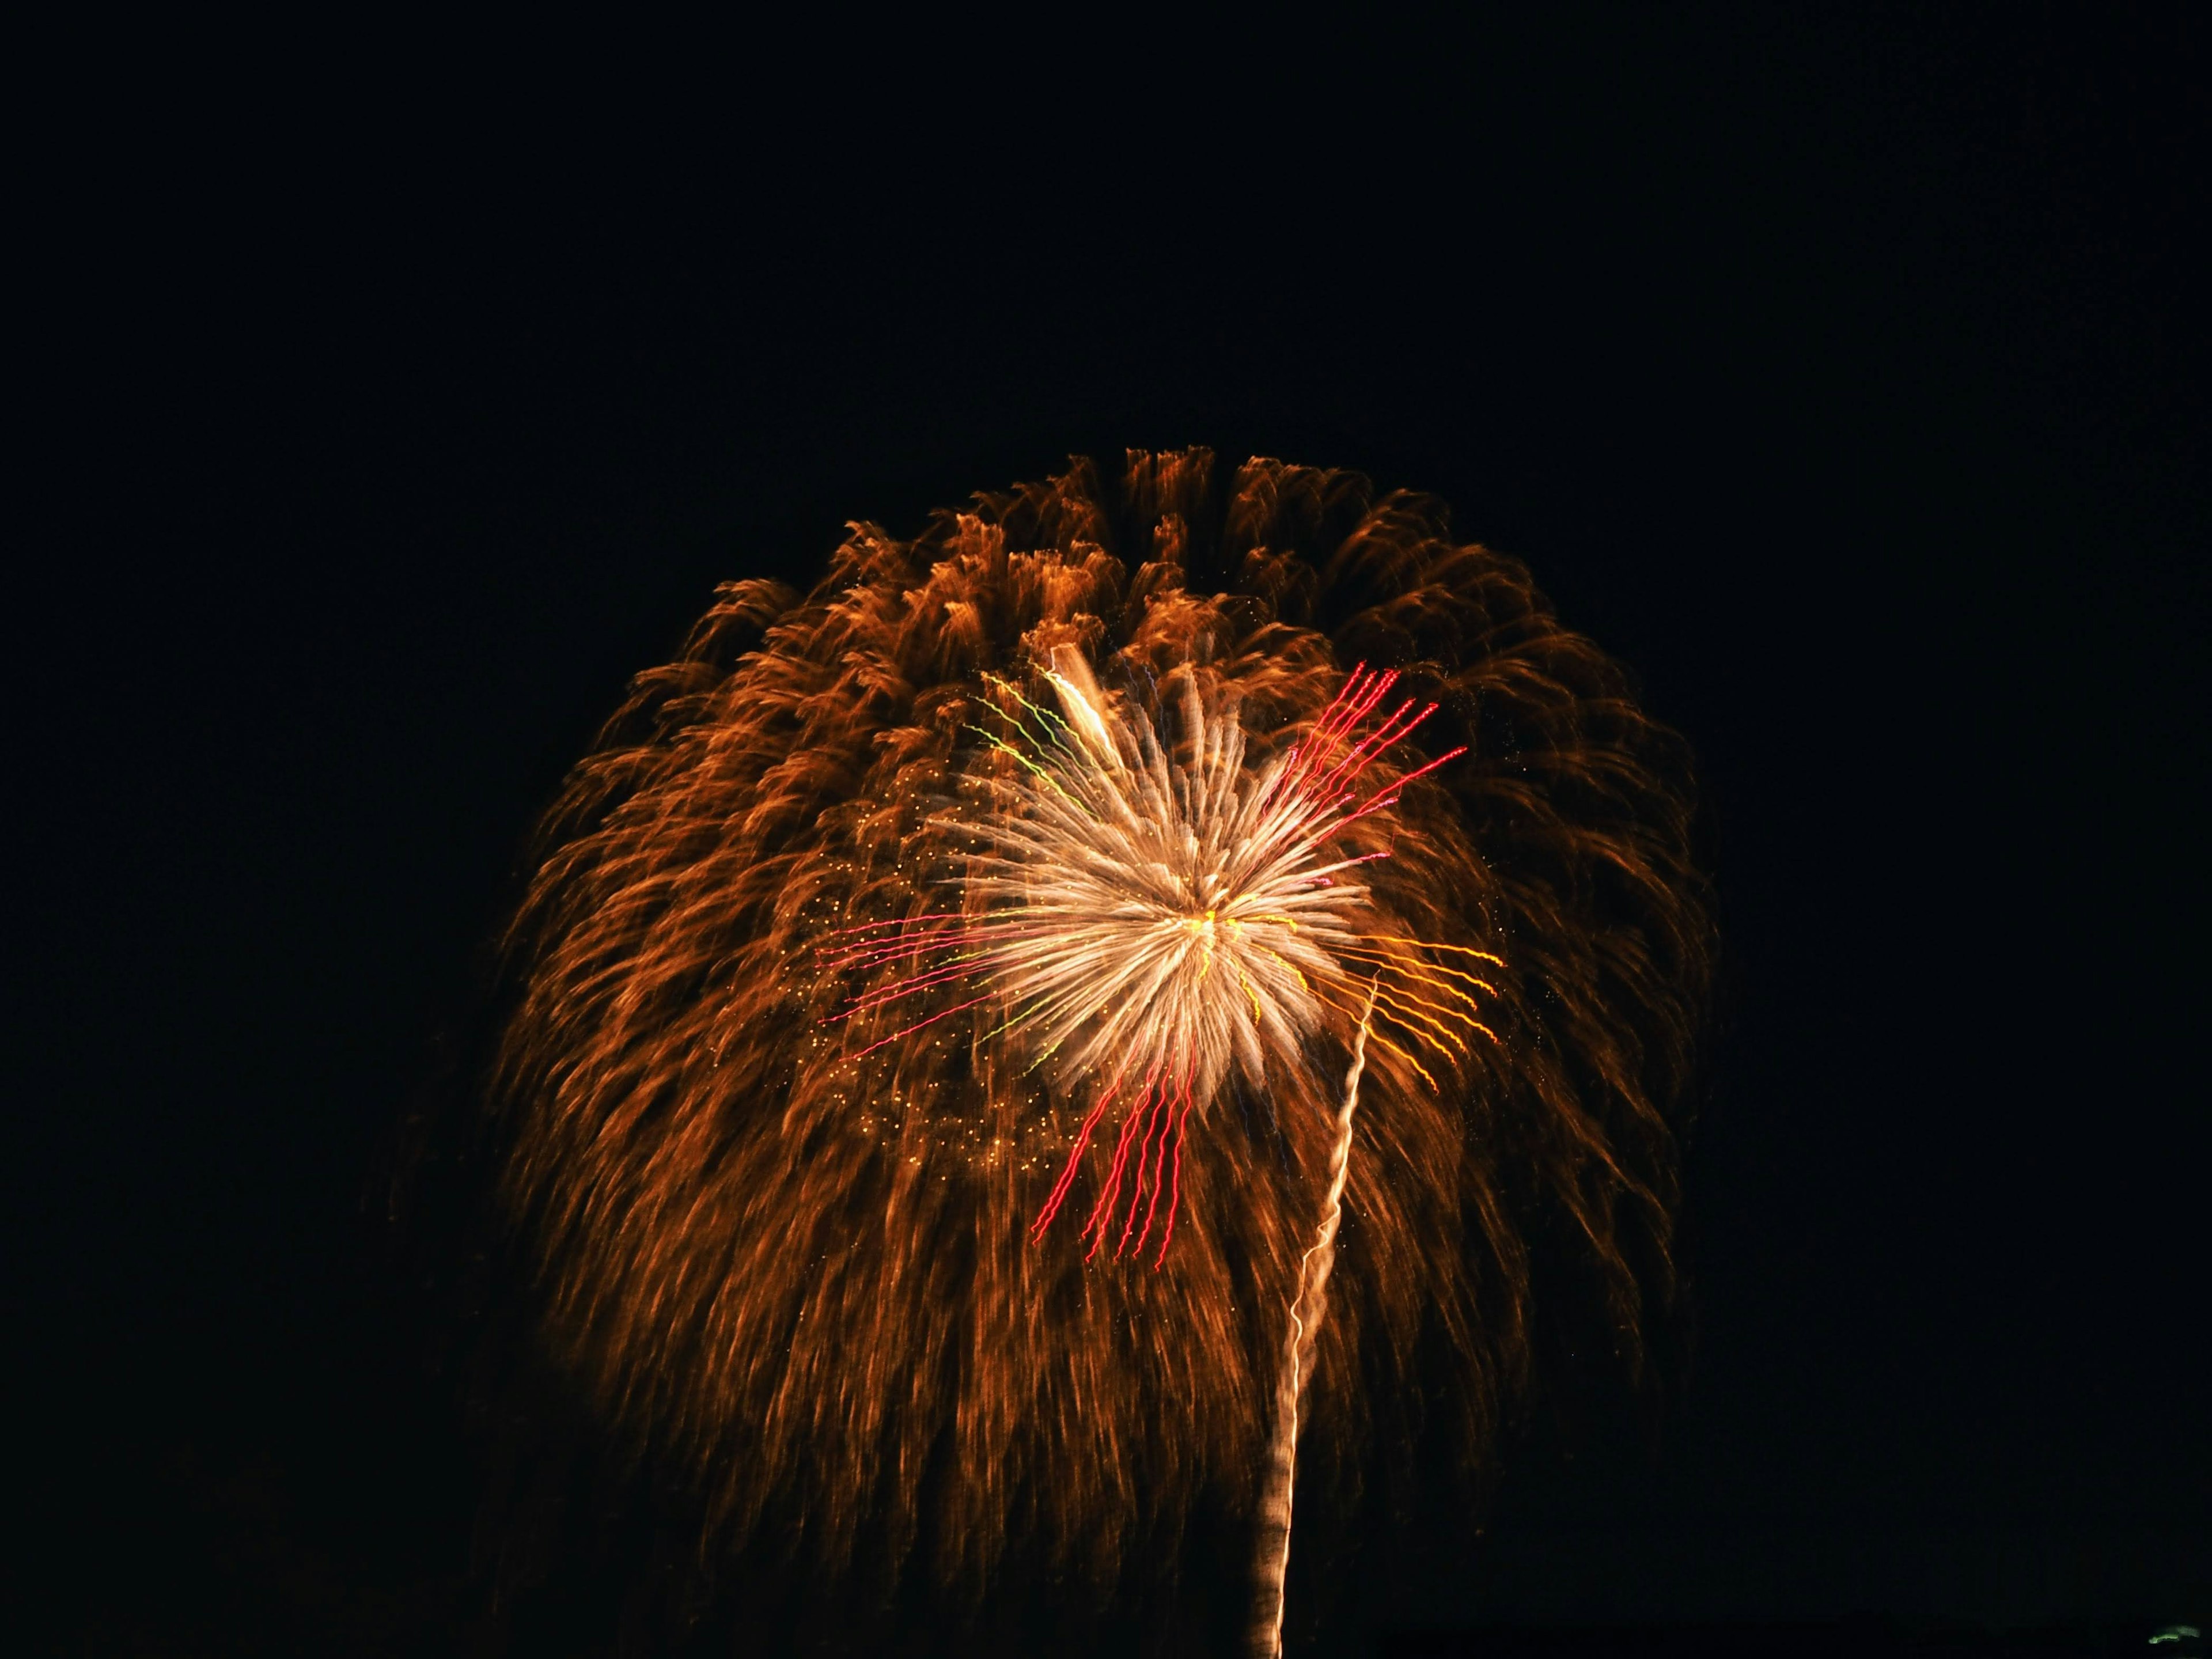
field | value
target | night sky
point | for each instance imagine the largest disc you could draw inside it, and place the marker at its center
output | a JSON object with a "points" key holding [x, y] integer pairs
{"points": [[1845, 378]]}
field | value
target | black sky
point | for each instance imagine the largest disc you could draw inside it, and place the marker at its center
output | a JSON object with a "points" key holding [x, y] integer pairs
{"points": [[1845, 377]]}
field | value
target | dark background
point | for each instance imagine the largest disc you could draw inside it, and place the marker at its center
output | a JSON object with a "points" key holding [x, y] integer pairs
{"points": [[1844, 374]]}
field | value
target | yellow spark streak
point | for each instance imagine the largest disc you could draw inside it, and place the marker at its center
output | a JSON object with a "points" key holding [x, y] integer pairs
{"points": [[1434, 945], [1415, 970], [1258, 1016], [1427, 967], [1409, 1016]]}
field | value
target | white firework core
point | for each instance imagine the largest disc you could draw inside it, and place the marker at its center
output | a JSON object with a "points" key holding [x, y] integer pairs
{"points": [[1158, 913]]}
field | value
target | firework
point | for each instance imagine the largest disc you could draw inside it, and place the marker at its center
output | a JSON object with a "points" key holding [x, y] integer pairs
{"points": [[1047, 866]]}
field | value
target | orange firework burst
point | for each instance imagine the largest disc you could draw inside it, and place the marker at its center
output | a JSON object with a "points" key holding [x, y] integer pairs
{"points": [[896, 917]]}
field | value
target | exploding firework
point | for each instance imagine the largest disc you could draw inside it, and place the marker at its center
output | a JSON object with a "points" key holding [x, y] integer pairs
{"points": [[1059, 861]]}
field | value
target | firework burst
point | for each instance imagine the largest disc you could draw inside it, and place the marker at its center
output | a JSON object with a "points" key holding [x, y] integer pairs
{"points": [[897, 919]]}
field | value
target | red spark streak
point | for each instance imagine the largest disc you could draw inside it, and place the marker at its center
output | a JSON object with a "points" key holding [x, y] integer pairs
{"points": [[919, 1023], [1146, 1177], [1101, 1211], [1156, 1122], [1075, 1160], [1175, 1191]]}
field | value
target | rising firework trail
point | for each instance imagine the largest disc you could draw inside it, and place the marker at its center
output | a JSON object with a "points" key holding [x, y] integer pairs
{"points": [[932, 1006], [1309, 1306]]}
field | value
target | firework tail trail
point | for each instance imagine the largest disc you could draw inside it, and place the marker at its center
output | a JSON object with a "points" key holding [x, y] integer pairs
{"points": [[1307, 1309]]}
